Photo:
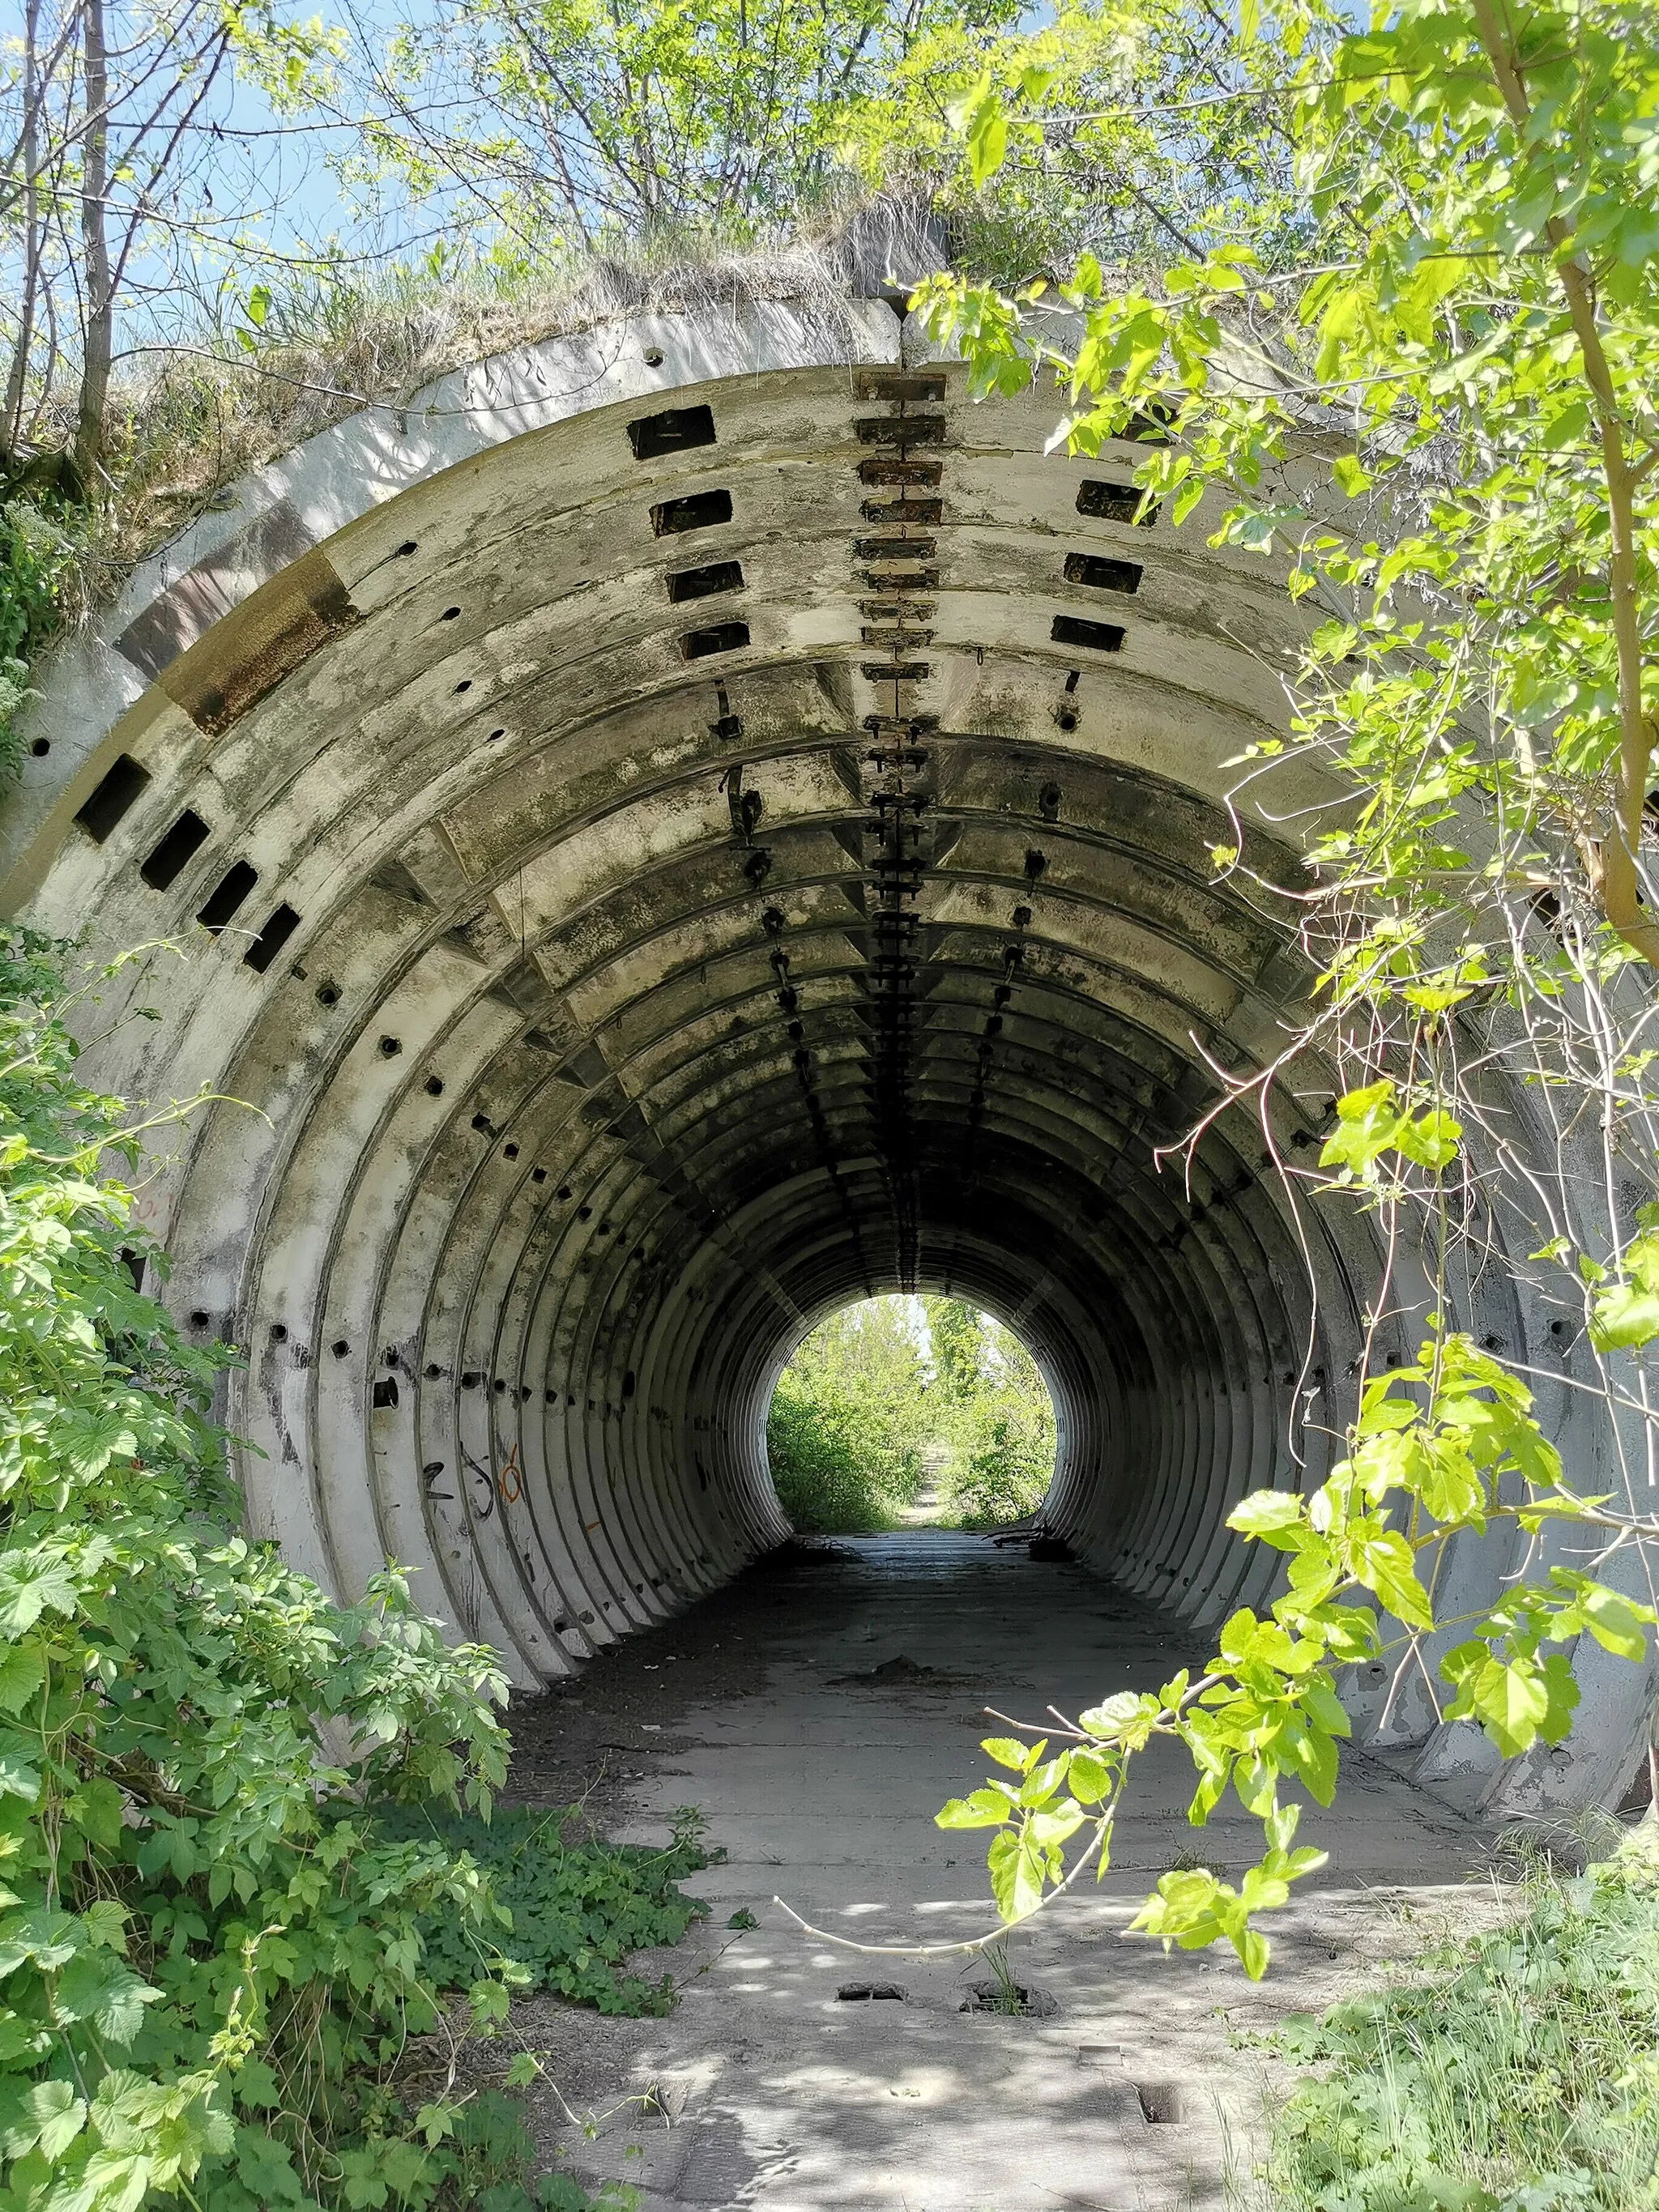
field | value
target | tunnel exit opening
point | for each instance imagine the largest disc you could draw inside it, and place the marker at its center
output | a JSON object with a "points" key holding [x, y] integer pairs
{"points": [[910, 1412]]}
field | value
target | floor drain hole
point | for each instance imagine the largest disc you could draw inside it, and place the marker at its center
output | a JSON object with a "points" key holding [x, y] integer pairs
{"points": [[1014, 2000], [1161, 2103], [870, 1993]]}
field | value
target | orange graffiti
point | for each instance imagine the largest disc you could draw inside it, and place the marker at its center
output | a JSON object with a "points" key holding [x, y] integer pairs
{"points": [[510, 1472]]}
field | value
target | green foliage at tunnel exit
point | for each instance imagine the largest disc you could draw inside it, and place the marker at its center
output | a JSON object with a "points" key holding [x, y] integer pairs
{"points": [[849, 1421], [1512, 2071], [213, 1951], [577, 1909], [899, 1408], [992, 1410]]}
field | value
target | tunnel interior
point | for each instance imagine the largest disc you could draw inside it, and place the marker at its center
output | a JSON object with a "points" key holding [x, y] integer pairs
{"points": [[671, 831]]}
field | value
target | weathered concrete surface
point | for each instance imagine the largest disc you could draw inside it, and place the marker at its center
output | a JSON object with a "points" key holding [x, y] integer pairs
{"points": [[823, 1787]]}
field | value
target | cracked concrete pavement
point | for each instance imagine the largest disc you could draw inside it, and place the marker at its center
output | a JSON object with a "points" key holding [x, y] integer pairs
{"points": [[819, 1777]]}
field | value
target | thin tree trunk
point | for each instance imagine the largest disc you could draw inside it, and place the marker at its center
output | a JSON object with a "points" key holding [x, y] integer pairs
{"points": [[10, 424], [98, 340], [1611, 862]]}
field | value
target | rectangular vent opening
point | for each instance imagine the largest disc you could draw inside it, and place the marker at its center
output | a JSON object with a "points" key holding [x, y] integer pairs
{"points": [[384, 1394], [676, 430], [720, 637], [227, 895], [103, 809], [271, 938], [698, 510], [1099, 637], [1114, 502], [167, 862], [901, 473], [703, 583], [1101, 574]]}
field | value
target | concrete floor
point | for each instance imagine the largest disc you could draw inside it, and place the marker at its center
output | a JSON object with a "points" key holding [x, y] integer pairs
{"points": [[821, 1780]]}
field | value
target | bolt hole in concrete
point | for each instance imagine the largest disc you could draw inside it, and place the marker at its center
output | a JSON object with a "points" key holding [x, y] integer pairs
{"points": [[870, 1993]]}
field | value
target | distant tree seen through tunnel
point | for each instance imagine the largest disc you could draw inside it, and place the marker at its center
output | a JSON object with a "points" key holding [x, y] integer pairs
{"points": [[911, 1410]]}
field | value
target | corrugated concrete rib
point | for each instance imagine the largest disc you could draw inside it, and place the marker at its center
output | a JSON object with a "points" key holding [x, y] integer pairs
{"points": [[721, 827]]}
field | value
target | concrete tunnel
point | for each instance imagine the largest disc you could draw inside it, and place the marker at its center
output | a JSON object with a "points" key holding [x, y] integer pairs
{"points": [[673, 830]]}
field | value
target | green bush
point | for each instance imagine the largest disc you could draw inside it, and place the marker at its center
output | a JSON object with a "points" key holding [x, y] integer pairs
{"points": [[1002, 1459], [1517, 2071], [995, 1416], [572, 1912], [35, 549], [849, 1420], [828, 1459], [213, 1952], [871, 1399]]}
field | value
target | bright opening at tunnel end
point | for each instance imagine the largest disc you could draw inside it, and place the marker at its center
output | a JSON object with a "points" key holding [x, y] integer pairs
{"points": [[918, 1412]]}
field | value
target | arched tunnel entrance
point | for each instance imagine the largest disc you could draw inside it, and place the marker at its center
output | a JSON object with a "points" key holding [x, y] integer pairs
{"points": [[671, 831]]}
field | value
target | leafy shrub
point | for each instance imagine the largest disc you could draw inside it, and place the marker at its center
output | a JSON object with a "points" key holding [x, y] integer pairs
{"points": [[210, 1954], [848, 1421], [1517, 2071], [573, 1912], [34, 551], [826, 1464], [996, 1416], [1002, 1459], [871, 1399], [490, 2154]]}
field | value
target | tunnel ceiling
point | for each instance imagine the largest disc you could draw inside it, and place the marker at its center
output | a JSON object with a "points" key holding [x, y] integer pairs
{"points": [[674, 831]]}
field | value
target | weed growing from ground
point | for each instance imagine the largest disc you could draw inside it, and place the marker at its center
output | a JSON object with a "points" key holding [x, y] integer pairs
{"points": [[574, 1910]]}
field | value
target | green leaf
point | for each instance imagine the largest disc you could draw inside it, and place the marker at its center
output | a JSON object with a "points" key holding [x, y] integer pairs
{"points": [[266, 2169], [22, 1671], [42, 1937], [100, 1987], [1270, 1515], [1016, 1876], [1125, 1715], [44, 2116], [1091, 1777], [1624, 1318], [981, 1808], [31, 1584], [1510, 1700], [1382, 1561], [1617, 1622], [1006, 1751]]}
